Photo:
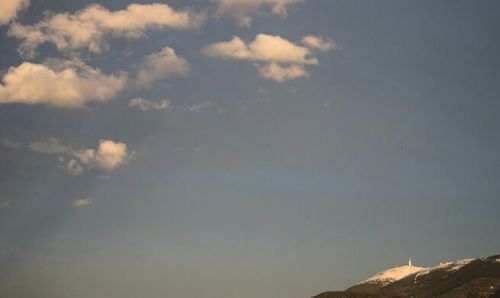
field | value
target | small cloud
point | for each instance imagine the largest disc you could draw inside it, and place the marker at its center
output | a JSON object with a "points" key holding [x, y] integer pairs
{"points": [[148, 105], [78, 203], [264, 48], [9, 143], [319, 43], [161, 65], [74, 168], [48, 146], [108, 155], [4, 204], [275, 57], [200, 107], [61, 83], [242, 10], [280, 73]]}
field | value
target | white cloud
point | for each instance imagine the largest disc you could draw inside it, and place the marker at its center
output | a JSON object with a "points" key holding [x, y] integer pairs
{"points": [[275, 57], [4, 204], [282, 73], [234, 49], [161, 65], [108, 155], [147, 105], [78, 203], [319, 43], [88, 28], [242, 10], [71, 84], [10, 8], [264, 48]]}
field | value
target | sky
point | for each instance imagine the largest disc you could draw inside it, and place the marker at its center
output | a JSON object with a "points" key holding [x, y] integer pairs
{"points": [[229, 148]]}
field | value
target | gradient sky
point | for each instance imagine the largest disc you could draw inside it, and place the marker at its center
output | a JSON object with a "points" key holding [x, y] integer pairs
{"points": [[234, 184]]}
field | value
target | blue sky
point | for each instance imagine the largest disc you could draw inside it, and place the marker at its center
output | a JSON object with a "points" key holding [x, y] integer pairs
{"points": [[243, 148]]}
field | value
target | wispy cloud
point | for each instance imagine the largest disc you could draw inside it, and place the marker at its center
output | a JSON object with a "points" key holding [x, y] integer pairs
{"points": [[200, 107], [49, 146], [9, 143], [242, 10], [319, 43], [148, 105]]}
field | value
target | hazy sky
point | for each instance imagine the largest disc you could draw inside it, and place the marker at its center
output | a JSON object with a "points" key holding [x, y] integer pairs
{"points": [[243, 149]]}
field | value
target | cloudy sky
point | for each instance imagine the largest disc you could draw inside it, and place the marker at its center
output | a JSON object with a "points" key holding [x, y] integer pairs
{"points": [[231, 148]]}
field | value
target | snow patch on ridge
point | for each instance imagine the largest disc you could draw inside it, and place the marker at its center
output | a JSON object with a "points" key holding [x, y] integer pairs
{"points": [[393, 274], [448, 266]]}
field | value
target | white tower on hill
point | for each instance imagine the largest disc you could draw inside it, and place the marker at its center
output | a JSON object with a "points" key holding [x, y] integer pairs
{"points": [[409, 263]]}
